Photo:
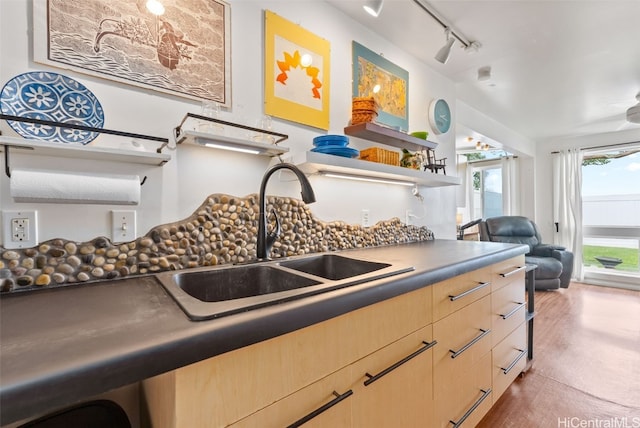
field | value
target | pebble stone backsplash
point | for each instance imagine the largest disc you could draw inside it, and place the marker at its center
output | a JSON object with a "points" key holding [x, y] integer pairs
{"points": [[221, 231]]}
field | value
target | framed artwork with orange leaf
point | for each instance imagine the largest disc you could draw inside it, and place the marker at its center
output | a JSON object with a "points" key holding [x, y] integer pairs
{"points": [[296, 73]]}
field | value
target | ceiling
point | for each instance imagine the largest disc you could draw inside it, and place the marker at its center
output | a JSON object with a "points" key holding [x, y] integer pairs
{"points": [[558, 67]]}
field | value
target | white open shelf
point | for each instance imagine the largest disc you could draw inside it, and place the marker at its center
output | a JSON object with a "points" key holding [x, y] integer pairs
{"points": [[387, 136], [44, 148], [313, 162], [203, 138]]}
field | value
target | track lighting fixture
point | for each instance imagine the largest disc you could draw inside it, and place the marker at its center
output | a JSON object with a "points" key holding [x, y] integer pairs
{"points": [[373, 7], [445, 52], [633, 114]]}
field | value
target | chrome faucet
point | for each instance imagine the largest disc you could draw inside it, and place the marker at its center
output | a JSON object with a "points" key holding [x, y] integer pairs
{"points": [[266, 241]]}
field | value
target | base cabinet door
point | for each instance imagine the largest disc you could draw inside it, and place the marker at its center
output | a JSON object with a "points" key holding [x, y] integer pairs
{"points": [[325, 403], [394, 384], [509, 360], [502, 273], [508, 310], [465, 337], [221, 390], [466, 398]]}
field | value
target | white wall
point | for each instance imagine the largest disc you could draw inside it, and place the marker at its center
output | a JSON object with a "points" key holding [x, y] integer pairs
{"points": [[489, 130], [175, 190]]}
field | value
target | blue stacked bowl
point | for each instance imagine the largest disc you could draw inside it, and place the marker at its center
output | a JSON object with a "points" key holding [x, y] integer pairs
{"points": [[334, 145]]}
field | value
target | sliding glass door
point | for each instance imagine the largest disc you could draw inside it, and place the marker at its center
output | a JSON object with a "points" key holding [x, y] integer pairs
{"points": [[487, 189], [611, 216]]}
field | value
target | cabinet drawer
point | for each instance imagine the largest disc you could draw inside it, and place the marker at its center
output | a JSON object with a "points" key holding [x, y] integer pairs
{"points": [[507, 271], [325, 403], [508, 307], [464, 337], [455, 293], [467, 398], [385, 322], [238, 383], [509, 359], [394, 384]]}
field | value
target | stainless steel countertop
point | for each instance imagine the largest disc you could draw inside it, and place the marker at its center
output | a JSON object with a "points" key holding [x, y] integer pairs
{"points": [[62, 345]]}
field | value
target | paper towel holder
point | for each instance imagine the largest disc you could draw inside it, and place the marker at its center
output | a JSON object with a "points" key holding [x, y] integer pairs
{"points": [[7, 168]]}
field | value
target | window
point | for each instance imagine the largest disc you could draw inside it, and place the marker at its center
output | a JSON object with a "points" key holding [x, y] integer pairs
{"points": [[487, 189], [611, 211]]}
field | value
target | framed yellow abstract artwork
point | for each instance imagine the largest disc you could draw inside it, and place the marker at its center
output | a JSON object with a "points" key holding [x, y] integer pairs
{"points": [[296, 73], [374, 75]]}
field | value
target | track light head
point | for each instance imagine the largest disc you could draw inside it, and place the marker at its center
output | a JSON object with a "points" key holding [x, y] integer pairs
{"points": [[633, 113], [373, 7], [444, 52]]}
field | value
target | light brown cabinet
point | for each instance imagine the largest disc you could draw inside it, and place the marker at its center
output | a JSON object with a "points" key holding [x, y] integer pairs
{"points": [[237, 384], [462, 366], [508, 323], [393, 385], [426, 358], [390, 387], [325, 403]]}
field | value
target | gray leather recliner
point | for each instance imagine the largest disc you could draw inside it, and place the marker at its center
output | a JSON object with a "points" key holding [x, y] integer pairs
{"points": [[555, 263]]}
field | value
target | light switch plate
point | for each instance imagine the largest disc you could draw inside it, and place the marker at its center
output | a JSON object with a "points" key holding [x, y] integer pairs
{"points": [[19, 229], [123, 225]]}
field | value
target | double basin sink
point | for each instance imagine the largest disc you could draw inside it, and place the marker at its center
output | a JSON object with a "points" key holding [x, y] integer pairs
{"points": [[206, 293]]}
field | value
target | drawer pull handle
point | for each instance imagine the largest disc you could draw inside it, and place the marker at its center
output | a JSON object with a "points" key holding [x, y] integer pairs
{"points": [[330, 404], [513, 311], [476, 288], [464, 417], [373, 378], [522, 353], [516, 270], [454, 354]]}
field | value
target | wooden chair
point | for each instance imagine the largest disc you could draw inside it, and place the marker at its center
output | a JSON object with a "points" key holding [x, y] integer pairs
{"points": [[434, 164]]}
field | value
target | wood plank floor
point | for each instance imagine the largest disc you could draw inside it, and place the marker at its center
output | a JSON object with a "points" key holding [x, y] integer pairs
{"points": [[586, 367]]}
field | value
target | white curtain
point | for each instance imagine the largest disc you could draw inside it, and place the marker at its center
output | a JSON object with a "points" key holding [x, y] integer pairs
{"points": [[567, 204], [510, 186], [464, 192]]}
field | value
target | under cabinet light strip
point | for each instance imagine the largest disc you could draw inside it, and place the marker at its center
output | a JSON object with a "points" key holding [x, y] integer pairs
{"points": [[232, 148], [365, 178]]}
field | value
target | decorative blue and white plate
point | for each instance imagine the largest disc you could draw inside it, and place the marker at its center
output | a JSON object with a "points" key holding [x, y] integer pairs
{"points": [[54, 97]]}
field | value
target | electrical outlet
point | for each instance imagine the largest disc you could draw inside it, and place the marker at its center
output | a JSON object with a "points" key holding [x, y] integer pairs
{"points": [[123, 225], [407, 217], [365, 218], [19, 229]]}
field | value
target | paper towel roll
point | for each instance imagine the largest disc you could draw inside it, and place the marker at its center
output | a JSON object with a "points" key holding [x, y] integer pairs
{"points": [[73, 188]]}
